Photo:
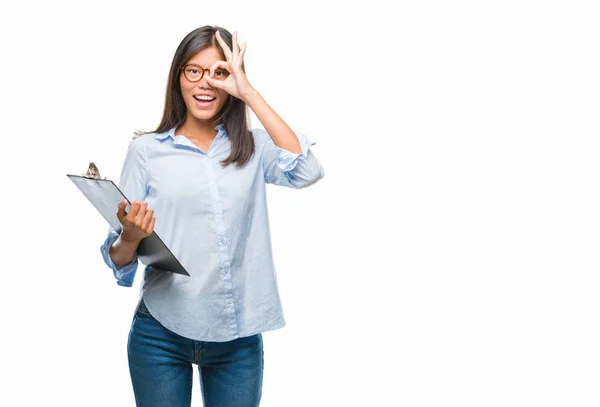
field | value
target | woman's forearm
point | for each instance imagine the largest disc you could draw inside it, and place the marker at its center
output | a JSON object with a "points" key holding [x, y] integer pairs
{"points": [[281, 134], [122, 251]]}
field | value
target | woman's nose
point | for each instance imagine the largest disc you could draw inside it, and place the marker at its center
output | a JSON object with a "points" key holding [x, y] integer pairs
{"points": [[203, 82]]}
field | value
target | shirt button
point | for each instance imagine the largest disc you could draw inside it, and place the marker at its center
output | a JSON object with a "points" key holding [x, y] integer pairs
{"points": [[222, 240]]}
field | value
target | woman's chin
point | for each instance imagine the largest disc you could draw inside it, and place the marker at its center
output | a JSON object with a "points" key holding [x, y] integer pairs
{"points": [[204, 116]]}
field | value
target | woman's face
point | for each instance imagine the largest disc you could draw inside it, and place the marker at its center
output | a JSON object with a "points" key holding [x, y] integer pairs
{"points": [[195, 94]]}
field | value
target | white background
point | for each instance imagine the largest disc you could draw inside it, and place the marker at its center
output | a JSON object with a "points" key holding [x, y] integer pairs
{"points": [[448, 258]]}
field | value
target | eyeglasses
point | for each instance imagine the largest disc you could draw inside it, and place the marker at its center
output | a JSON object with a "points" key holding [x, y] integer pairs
{"points": [[194, 73]]}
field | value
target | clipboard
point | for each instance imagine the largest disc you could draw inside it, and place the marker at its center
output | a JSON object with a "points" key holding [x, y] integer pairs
{"points": [[106, 196]]}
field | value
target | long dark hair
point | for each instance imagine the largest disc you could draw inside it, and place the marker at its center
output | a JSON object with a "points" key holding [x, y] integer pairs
{"points": [[232, 115]]}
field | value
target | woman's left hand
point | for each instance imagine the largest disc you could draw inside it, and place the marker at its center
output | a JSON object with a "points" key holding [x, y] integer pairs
{"points": [[236, 83]]}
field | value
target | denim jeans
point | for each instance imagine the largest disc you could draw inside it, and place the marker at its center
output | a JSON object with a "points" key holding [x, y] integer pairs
{"points": [[160, 364]]}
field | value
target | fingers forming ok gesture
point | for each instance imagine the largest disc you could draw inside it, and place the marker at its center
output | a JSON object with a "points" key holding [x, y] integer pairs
{"points": [[236, 83]]}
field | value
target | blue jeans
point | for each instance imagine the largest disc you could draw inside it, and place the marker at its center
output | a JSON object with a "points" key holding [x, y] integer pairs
{"points": [[160, 364]]}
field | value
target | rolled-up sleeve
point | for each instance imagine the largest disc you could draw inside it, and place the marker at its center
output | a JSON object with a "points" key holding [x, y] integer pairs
{"points": [[126, 273], [284, 168], [133, 183]]}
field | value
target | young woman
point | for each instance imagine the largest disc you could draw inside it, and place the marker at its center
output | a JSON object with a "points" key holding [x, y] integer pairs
{"points": [[199, 181]]}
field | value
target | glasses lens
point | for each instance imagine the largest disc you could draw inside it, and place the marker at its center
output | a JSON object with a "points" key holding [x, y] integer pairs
{"points": [[221, 74], [193, 73]]}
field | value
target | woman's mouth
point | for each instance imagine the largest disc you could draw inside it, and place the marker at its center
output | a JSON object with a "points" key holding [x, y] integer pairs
{"points": [[204, 101]]}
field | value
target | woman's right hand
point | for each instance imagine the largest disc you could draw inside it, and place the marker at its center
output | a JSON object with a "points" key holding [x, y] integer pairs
{"points": [[138, 223]]}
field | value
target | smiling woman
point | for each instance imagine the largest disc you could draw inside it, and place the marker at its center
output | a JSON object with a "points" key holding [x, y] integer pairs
{"points": [[199, 180], [195, 105]]}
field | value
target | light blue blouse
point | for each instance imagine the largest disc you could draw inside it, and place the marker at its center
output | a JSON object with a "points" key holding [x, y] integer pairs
{"points": [[215, 221]]}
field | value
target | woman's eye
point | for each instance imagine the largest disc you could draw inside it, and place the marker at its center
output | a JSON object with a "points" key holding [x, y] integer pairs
{"points": [[193, 71], [221, 73]]}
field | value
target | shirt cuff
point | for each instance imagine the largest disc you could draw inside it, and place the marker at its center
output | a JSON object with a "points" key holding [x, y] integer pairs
{"points": [[126, 273], [287, 161]]}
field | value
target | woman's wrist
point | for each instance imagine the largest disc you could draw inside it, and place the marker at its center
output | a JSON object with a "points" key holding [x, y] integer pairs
{"points": [[129, 240], [250, 97]]}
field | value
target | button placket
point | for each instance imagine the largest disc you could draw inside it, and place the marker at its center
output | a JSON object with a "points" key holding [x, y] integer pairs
{"points": [[225, 270]]}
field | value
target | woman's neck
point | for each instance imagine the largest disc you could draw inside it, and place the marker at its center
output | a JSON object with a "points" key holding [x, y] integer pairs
{"points": [[196, 130]]}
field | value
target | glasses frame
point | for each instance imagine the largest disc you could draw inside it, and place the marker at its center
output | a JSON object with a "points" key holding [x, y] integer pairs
{"points": [[199, 68]]}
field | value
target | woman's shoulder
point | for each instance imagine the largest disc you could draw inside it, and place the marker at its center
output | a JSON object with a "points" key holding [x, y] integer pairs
{"points": [[260, 136], [142, 139]]}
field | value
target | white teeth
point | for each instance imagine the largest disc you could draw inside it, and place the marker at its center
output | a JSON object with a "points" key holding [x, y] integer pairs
{"points": [[203, 97]]}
